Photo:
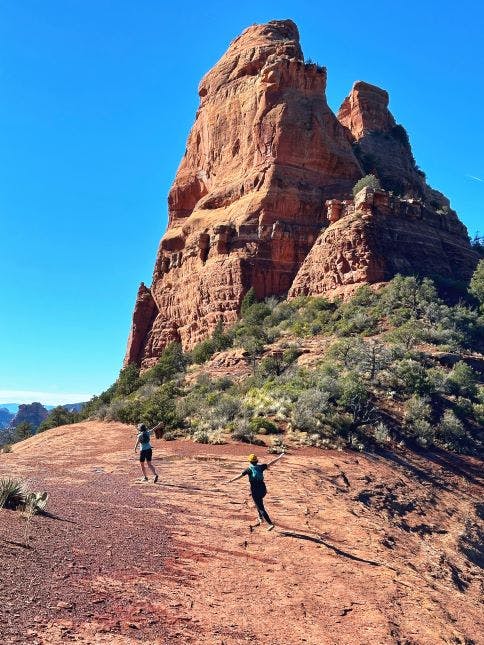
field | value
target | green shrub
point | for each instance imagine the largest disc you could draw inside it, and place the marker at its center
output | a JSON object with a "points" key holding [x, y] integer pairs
{"points": [[368, 181], [411, 377], [381, 434], [451, 429], [417, 413], [203, 351], [59, 416], [128, 380], [462, 381], [13, 493], [261, 425], [201, 436], [476, 287], [309, 411], [171, 362], [243, 433]]}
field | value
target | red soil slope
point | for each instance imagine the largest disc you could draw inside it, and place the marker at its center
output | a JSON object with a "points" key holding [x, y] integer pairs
{"points": [[368, 549]]}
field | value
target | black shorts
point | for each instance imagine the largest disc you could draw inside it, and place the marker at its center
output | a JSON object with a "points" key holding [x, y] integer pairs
{"points": [[145, 455]]}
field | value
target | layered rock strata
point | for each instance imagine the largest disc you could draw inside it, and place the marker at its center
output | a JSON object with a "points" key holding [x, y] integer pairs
{"points": [[377, 235], [246, 205], [382, 146], [253, 192]]}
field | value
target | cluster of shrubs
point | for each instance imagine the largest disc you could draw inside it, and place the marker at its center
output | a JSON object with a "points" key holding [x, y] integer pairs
{"points": [[395, 369]]}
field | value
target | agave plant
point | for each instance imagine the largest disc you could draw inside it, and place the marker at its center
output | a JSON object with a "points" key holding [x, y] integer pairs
{"points": [[13, 493]]}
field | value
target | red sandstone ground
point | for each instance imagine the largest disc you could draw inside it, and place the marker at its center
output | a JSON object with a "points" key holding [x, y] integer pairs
{"points": [[369, 549]]}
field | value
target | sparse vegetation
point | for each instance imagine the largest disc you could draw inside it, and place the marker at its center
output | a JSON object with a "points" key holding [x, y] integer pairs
{"points": [[382, 377], [368, 181]]}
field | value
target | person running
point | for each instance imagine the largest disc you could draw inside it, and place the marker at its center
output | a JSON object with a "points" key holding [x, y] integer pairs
{"points": [[146, 450], [258, 489]]}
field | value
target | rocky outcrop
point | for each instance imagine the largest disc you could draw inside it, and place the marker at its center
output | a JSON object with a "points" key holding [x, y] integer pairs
{"points": [[33, 413], [267, 167], [377, 235], [382, 146], [246, 205]]}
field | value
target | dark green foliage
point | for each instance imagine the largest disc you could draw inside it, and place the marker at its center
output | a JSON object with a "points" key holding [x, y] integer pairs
{"points": [[59, 416], [462, 381], [476, 287], [385, 374], [249, 299], [172, 361], [368, 181], [22, 431], [219, 341], [261, 425], [128, 380]]}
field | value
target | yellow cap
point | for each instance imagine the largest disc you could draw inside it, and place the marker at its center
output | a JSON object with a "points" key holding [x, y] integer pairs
{"points": [[253, 459]]}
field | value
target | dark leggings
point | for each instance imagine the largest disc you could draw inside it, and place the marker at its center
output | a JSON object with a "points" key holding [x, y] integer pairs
{"points": [[259, 502]]}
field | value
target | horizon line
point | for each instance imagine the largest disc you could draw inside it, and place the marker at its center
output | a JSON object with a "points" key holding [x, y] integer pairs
{"points": [[46, 398]]}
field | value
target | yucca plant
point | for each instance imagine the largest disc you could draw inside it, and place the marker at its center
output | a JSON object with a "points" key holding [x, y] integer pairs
{"points": [[13, 493]]}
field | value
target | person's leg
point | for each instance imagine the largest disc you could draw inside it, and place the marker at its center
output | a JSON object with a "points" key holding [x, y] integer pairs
{"points": [[142, 464], [150, 465], [259, 503], [265, 514]]}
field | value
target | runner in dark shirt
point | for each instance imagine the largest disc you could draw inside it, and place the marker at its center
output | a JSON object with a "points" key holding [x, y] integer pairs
{"points": [[258, 489]]}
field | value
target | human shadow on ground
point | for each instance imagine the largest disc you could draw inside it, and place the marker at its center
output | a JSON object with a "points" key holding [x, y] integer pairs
{"points": [[319, 540]]}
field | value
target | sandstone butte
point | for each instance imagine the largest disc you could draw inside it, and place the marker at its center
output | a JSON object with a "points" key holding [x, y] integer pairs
{"points": [[263, 197]]}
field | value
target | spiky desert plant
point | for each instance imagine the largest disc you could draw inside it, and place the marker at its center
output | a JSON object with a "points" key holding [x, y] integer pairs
{"points": [[13, 493]]}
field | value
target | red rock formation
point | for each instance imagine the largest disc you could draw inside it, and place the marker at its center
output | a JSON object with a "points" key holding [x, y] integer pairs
{"points": [[382, 146], [248, 202], [374, 237], [264, 154]]}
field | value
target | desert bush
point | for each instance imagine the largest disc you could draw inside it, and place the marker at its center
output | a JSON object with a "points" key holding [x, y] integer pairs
{"points": [[309, 411], [171, 362], [59, 416], [416, 408], [408, 297], [417, 413], [381, 433], [368, 181], [128, 380], [261, 425], [478, 413], [243, 433], [462, 380], [476, 287], [201, 436], [451, 429], [13, 493], [411, 377]]}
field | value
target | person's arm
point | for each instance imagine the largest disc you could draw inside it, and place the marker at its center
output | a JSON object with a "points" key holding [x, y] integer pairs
{"points": [[157, 426], [274, 460], [136, 445], [234, 479]]}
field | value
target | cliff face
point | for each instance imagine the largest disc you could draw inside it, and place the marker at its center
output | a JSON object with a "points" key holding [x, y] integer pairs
{"points": [[377, 235], [382, 147], [248, 202]]}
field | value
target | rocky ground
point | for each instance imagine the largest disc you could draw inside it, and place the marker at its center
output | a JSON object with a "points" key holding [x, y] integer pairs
{"points": [[368, 549]]}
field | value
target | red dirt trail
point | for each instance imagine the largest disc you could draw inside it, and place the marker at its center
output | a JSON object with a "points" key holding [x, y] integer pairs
{"points": [[368, 549]]}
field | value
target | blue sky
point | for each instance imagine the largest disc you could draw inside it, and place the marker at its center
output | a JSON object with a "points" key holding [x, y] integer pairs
{"points": [[97, 98]]}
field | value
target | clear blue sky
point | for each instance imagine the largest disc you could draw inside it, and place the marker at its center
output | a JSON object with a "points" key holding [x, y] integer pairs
{"points": [[97, 98]]}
